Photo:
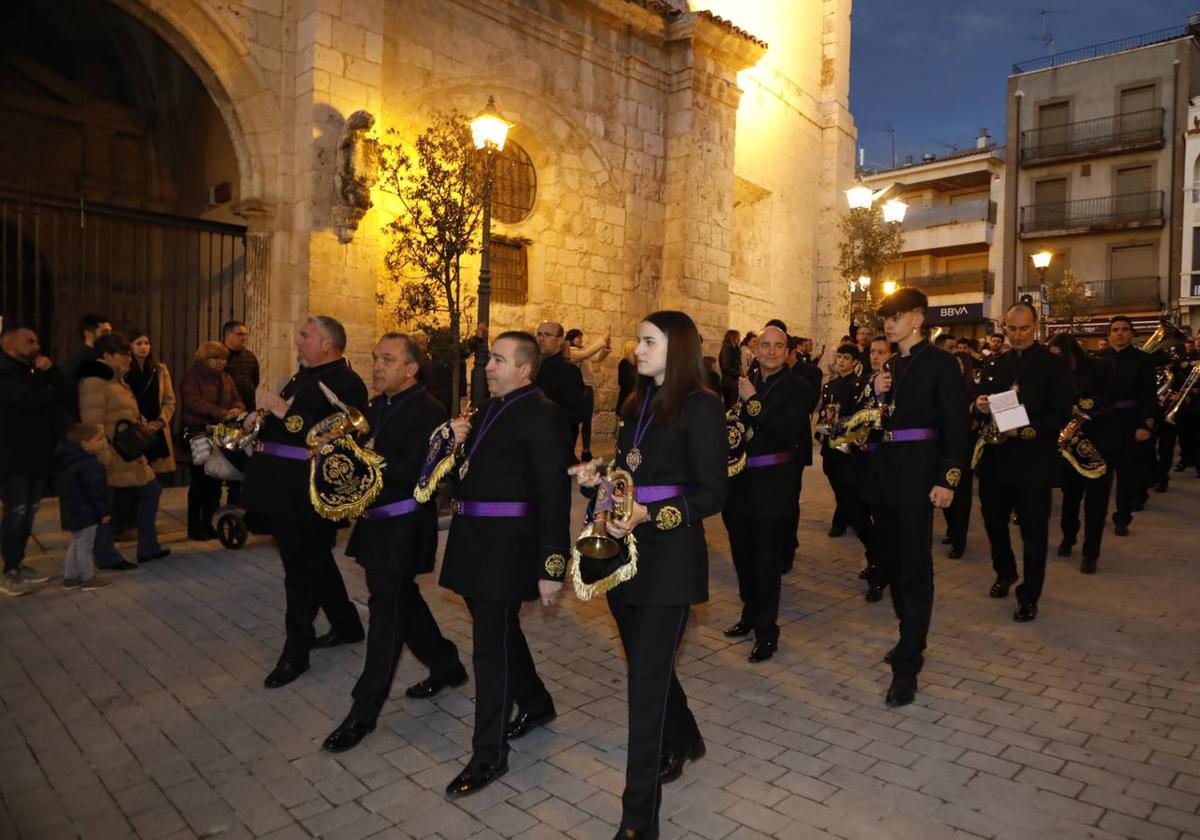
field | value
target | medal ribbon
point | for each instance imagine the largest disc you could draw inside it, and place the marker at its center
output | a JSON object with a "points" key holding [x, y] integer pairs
{"points": [[643, 422], [489, 419], [776, 378], [381, 417]]}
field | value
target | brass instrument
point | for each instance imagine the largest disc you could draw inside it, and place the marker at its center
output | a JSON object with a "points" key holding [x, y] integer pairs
{"points": [[855, 433], [1080, 452], [235, 436], [1184, 392], [1156, 338], [343, 478], [1162, 386], [989, 435], [597, 564]]}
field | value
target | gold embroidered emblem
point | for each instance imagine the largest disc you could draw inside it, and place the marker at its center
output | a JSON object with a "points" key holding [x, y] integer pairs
{"points": [[753, 408], [1087, 404], [953, 476], [1028, 433], [668, 517], [293, 423], [556, 565], [749, 434]]}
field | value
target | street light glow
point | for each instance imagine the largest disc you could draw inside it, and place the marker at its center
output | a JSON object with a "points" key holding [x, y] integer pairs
{"points": [[859, 197], [894, 210], [889, 286], [1041, 260], [489, 130], [863, 282]]}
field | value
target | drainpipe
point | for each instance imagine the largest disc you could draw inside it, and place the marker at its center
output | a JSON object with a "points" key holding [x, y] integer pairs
{"points": [[1009, 296], [1173, 270]]}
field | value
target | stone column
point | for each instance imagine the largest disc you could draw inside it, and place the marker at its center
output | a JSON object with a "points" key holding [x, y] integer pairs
{"points": [[701, 121], [260, 236]]}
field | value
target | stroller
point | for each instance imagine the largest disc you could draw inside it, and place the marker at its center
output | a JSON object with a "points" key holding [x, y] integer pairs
{"points": [[223, 451]]}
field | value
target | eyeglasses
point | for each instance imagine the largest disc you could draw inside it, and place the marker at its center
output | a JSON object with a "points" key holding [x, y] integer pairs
{"points": [[546, 335]]}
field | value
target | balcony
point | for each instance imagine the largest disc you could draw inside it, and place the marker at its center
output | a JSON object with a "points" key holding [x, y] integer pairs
{"points": [[945, 229], [955, 283], [1091, 138], [1091, 215], [1125, 291]]}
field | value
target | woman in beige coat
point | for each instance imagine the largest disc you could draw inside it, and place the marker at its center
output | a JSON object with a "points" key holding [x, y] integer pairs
{"points": [[106, 399]]}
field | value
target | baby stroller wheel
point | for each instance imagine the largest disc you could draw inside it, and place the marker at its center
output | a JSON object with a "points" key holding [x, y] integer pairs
{"points": [[231, 530]]}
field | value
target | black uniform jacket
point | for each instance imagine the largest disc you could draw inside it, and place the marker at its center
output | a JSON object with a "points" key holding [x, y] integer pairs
{"points": [[1129, 376], [1046, 389], [279, 486], [845, 469], [523, 457], [927, 393], [400, 430], [690, 450], [562, 383], [776, 420]]}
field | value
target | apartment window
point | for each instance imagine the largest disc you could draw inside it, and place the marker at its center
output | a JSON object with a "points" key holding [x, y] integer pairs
{"points": [[1050, 208], [1052, 124], [1196, 250], [1137, 99], [1133, 188], [510, 271], [515, 185], [1133, 261]]}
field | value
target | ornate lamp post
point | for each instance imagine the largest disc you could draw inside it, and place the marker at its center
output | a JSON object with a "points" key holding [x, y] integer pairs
{"points": [[862, 199], [489, 130]]}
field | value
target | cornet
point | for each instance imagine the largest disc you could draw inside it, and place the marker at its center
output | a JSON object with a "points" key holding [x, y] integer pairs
{"points": [[614, 501]]}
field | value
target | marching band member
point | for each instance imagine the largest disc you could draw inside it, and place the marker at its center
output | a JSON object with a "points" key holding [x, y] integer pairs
{"points": [[914, 467], [395, 541], [277, 487], [508, 543], [762, 497], [1018, 473], [672, 441]]}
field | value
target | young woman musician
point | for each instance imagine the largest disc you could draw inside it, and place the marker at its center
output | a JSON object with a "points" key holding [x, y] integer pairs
{"points": [[672, 442]]}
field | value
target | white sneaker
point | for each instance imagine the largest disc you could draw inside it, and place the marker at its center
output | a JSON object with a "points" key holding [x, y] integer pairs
{"points": [[31, 575], [11, 584], [72, 582]]}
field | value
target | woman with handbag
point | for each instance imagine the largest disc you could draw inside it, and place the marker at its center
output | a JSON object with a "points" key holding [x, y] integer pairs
{"points": [[106, 399], [150, 381], [672, 442], [209, 396]]}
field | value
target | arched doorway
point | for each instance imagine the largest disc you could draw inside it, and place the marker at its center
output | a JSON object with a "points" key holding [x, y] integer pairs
{"points": [[118, 179]]}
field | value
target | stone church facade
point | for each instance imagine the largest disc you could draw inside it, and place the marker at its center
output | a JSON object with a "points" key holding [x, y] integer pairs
{"points": [[685, 154]]}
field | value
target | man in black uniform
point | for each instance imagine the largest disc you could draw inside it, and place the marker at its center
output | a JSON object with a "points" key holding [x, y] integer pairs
{"points": [[395, 541], [914, 467], [1018, 473], [759, 507], [958, 515], [276, 487], [508, 543], [1124, 420], [559, 380]]}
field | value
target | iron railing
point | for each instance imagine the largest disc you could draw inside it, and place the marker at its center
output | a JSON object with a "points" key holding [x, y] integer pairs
{"points": [[1097, 50], [1124, 290], [984, 281], [1128, 209], [1093, 136], [178, 278], [980, 210]]}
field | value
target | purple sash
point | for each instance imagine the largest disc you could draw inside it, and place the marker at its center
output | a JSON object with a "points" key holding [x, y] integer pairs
{"points": [[492, 509], [282, 450], [648, 494], [401, 508], [756, 461]]}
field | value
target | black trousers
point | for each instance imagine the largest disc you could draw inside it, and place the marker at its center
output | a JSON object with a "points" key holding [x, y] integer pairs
{"points": [[21, 494], [958, 515], [760, 549], [794, 524], [1031, 502], [312, 582], [203, 499], [659, 717], [504, 674], [1132, 468], [1189, 436], [399, 616], [905, 535], [1165, 436], [1093, 494]]}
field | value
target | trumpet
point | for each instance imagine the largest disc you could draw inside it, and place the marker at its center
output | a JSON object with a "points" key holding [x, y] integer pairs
{"points": [[614, 501], [234, 436], [1184, 392]]}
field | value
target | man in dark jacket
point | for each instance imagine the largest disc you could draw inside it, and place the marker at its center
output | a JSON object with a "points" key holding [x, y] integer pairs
{"points": [[91, 326], [33, 399], [560, 381], [242, 366]]}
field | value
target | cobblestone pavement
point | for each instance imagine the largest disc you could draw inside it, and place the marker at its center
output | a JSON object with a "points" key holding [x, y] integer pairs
{"points": [[138, 711]]}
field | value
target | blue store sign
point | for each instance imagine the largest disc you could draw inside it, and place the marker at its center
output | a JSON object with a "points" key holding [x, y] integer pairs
{"points": [[955, 313]]}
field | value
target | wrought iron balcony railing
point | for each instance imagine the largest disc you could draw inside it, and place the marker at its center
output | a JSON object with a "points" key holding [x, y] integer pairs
{"points": [[979, 210], [1090, 137], [1111, 211], [955, 281], [1097, 50], [1124, 290]]}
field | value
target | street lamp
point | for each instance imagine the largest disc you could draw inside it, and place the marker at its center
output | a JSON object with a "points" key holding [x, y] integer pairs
{"points": [[489, 130], [889, 286], [894, 210], [860, 197], [1041, 261]]}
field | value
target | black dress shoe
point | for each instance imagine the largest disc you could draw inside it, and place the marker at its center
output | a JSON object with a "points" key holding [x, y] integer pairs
{"points": [[836, 530], [339, 637], [956, 553], [901, 692], [1000, 588], [891, 654], [1065, 548], [1160, 487], [1121, 529], [762, 651], [672, 763], [636, 834], [946, 540], [476, 777], [524, 722], [284, 673], [348, 735], [158, 555], [1088, 566], [1025, 612], [874, 593], [432, 685], [736, 631]]}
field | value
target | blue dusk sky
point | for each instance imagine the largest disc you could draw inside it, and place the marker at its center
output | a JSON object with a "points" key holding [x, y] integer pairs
{"points": [[935, 70]]}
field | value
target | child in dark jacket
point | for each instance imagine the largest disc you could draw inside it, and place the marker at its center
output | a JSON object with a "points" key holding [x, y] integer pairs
{"points": [[83, 502]]}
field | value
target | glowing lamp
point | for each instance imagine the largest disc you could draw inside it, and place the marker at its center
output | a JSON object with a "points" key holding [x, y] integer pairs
{"points": [[864, 282], [859, 197], [1041, 260], [489, 130], [889, 286], [894, 210]]}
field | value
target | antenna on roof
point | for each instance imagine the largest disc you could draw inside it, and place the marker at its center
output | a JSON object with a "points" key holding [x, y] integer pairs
{"points": [[1047, 37]]}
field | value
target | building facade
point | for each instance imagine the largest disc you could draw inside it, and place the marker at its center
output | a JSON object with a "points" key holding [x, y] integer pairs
{"points": [[1096, 167], [953, 230], [663, 155]]}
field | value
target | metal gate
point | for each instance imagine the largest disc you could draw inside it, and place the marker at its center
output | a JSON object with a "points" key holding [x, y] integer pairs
{"points": [[175, 277]]}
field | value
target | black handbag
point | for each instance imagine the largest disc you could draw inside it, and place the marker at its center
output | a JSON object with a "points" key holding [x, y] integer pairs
{"points": [[132, 440]]}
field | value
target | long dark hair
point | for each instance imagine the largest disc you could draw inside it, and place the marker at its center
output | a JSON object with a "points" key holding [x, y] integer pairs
{"points": [[151, 363], [1072, 352], [685, 368]]}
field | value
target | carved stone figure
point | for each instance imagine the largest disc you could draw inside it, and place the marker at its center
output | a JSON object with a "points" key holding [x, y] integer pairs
{"points": [[357, 168]]}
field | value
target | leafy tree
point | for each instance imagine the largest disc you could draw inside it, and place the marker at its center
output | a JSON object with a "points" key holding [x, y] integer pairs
{"points": [[868, 244], [439, 183], [1069, 300]]}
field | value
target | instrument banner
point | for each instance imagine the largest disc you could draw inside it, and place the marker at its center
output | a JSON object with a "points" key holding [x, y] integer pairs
{"points": [[344, 478], [439, 460], [596, 573]]}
